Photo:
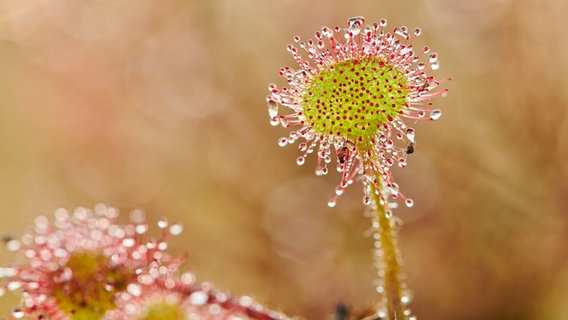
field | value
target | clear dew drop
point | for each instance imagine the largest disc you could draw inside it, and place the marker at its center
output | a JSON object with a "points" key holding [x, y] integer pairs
{"points": [[162, 222], [141, 228], [328, 32], [134, 289], [433, 57], [272, 108], [435, 66], [14, 285], [176, 229], [410, 133], [355, 25], [366, 200], [18, 313], [300, 160], [283, 141], [417, 32], [274, 121], [406, 297], [435, 114], [401, 33], [198, 298], [13, 245], [409, 203], [331, 203], [187, 278]]}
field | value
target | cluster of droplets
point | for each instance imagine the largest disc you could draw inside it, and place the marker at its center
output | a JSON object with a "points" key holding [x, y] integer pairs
{"points": [[380, 258], [83, 265], [158, 290], [388, 56]]}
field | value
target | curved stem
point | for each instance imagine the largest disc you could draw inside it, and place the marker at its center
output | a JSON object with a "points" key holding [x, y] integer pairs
{"points": [[389, 259]]}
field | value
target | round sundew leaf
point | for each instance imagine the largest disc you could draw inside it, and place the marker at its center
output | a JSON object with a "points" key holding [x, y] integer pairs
{"points": [[353, 98], [89, 290]]}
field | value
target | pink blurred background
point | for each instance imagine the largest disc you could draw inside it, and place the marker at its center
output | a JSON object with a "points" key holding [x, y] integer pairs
{"points": [[160, 105]]}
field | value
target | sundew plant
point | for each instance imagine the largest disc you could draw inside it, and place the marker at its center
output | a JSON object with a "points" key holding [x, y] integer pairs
{"points": [[84, 265], [349, 101]]}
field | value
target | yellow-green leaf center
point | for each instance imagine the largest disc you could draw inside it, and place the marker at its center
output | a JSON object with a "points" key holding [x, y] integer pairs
{"points": [[353, 98]]}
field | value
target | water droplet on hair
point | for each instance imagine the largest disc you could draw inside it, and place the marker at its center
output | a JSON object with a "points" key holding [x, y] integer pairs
{"points": [[162, 222], [410, 133], [141, 228], [435, 114], [328, 32], [321, 171], [13, 245], [409, 203], [282, 141], [198, 298], [176, 229], [433, 57], [406, 297], [401, 33], [331, 203], [272, 108], [134, 289], [300, 160], [128, 242], [417, 32], [355, 25], [366, 200], [18, 313], [187, 278], [274, 121], [383, 22]]}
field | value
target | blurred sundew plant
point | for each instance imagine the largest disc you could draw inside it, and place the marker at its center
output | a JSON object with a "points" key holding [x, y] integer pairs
{"points": [[83, 265], [350, 97]]}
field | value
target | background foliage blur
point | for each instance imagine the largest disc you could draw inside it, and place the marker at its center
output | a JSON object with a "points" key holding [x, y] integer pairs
{"points": [[160, 105]]}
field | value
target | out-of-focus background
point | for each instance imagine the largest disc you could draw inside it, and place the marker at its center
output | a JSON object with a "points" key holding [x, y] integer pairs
{"points": [[160, 105]]}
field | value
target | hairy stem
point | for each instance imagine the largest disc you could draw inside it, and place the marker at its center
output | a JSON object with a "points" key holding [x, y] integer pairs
{"points": [[389, 260]]}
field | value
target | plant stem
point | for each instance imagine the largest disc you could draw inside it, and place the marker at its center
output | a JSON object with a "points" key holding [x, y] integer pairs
{"points": [[389, 259]]}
